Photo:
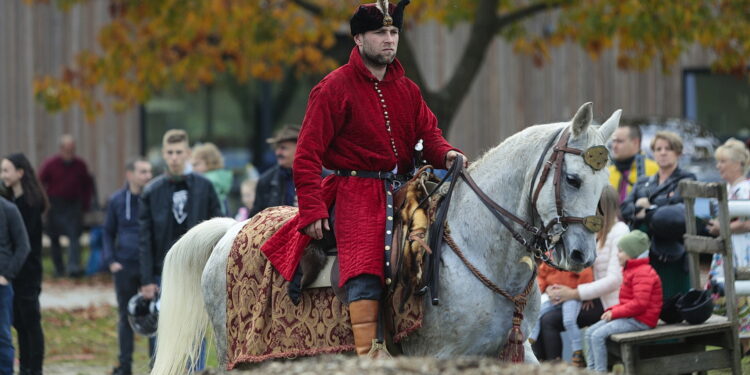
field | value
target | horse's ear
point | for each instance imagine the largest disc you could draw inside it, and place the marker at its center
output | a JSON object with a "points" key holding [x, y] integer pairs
{"points": [[609, 126], [582, 119]]}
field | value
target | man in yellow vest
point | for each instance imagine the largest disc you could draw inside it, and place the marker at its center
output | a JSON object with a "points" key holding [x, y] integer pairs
{"points": [[629, 164]]}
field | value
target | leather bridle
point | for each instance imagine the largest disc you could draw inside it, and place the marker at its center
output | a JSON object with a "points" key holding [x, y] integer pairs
{"points": [[541, 242], [542, 239]]}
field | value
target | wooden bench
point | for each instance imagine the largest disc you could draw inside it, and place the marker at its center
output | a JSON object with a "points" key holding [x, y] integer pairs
{"points": [[682, 348]]}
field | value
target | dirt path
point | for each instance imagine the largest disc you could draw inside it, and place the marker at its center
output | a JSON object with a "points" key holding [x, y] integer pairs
{"points": [[71, 295]]}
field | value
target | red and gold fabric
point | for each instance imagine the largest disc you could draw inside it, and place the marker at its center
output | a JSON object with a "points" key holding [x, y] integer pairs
{"points": [[262, 322]]}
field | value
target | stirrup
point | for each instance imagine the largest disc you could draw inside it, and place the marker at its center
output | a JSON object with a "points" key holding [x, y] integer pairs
{"points": [[378, 350]]}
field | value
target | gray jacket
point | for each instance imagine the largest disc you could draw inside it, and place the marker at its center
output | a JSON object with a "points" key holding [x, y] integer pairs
{"points": [[14, 242]]}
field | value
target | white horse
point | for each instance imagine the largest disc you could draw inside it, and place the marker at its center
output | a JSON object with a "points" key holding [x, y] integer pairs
{"points": [[471, 319]]}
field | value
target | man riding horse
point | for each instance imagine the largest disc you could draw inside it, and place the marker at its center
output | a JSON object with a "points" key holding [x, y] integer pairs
{"points": [[362, 121]]}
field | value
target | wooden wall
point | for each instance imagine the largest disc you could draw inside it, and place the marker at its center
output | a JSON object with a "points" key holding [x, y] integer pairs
{"points": [[39, 40], [509, 93]]}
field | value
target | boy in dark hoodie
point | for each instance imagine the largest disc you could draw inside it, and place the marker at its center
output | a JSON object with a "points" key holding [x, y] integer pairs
{"points": [[640, 300]]}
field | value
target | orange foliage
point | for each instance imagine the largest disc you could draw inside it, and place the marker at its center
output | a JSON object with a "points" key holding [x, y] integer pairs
{"points": [[151, 43]]}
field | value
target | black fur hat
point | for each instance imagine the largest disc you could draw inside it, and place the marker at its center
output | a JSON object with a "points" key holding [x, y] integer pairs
{"points": [[370, 17]]}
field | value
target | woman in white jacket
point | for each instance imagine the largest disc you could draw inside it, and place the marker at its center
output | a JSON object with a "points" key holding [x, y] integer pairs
{"points": [[597, 295]]}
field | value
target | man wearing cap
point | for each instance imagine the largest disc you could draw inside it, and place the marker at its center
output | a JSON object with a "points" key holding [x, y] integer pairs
{"points": [[362, 122], [276, 186]]}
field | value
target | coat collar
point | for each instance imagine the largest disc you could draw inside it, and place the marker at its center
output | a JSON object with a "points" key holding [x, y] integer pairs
{"points": [[393, 72], [657, 188], [633, 263]]}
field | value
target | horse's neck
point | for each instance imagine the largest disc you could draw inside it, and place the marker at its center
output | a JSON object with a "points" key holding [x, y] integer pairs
{"points": [[505, 175]]}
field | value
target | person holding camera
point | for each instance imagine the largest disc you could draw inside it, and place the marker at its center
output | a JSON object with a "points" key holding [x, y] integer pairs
{"points": [[651, 207]]}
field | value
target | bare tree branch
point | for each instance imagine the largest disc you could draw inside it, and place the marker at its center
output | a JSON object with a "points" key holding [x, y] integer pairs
{"points": [[409, 61], [446, 101]]}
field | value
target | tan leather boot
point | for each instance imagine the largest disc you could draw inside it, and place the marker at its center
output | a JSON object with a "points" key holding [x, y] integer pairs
{"points": [[364, 317]]}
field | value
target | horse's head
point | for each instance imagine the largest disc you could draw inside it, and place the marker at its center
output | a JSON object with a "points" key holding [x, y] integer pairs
{"points": [[568, 198]]}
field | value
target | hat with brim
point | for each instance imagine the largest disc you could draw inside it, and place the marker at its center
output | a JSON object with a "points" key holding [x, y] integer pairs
{"points": [[287, 133]]}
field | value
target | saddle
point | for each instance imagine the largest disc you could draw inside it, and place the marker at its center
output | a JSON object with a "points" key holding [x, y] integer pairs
{"points": [[416, 209]]}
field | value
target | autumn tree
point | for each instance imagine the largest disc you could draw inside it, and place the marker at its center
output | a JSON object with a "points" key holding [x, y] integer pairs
{"points": [[149, 44]]}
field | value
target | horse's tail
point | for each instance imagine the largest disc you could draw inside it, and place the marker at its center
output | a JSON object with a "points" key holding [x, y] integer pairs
{"points": [[182, 316]]}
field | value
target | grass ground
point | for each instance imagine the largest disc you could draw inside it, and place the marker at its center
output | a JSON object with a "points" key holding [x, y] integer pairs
{"points": [[84, 340], [87, 338]]}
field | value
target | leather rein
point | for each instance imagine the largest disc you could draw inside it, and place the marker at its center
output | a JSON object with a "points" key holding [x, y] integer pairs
{"points": [[541, 241]]}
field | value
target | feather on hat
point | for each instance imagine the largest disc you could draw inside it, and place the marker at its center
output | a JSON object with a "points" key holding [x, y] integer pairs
{"points": [[373, 16]]}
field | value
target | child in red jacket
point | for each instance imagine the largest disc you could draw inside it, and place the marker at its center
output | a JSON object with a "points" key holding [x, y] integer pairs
{"points": [[640, 300], [549, 276]]}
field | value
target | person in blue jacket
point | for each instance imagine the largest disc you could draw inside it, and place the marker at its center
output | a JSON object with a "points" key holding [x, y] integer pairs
{"points": [[121, 252]]}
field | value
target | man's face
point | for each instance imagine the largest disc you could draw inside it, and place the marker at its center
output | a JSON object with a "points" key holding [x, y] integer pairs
{"points": [[285, 153], [623, 146], [68, 149], [378, 47], [140, 175], [176, 155]]}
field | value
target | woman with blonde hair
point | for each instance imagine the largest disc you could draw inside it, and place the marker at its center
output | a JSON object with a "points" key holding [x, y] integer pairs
{"points": [[597, 295], [207, 161], [733, 161]]}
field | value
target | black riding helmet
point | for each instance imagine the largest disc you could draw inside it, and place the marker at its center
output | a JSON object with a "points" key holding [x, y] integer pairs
{"points": [[670, 314], [696, 306], [143, 315]]}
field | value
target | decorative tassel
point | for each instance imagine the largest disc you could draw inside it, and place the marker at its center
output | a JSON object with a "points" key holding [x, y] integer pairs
{"points": [[513, 350]]}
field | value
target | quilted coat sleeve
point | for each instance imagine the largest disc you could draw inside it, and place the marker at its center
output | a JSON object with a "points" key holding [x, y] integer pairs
{"points": [[643, 285], [435, 146], [322, 117]]}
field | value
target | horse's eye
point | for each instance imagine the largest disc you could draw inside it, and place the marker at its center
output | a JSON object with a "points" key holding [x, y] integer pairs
{"points": [[573, 181]]}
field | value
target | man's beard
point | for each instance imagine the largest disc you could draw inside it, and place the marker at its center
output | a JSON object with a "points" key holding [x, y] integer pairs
{"points": [[377, 59]]}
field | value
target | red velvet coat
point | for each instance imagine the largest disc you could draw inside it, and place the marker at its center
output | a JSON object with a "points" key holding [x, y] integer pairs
{"points": [[640, 293], [345, 128]]}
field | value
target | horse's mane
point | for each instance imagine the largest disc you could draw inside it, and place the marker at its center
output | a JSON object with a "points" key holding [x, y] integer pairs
{"points": [[531, 131]]}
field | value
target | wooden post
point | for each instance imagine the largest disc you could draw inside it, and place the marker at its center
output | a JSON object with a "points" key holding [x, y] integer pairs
{"points": [[729, 291], [693, 258]]}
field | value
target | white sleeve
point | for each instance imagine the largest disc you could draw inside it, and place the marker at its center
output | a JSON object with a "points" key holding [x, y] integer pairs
{"points": [[613, 278]]}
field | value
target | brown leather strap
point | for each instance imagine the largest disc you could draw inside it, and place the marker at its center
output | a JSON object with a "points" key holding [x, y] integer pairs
{"points": [[490, 203]]}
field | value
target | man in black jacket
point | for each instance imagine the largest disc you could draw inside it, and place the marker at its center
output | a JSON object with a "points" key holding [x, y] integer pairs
{"points": [[170, 205], [14, 248], [275, 186]]}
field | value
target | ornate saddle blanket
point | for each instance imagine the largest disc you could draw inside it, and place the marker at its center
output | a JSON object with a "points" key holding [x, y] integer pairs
{"points": [[262, 321]]}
